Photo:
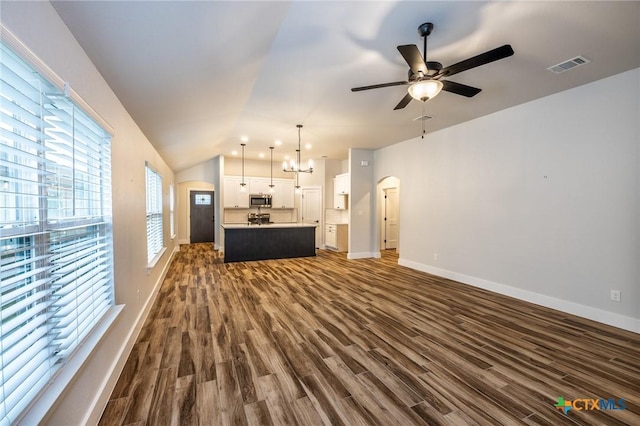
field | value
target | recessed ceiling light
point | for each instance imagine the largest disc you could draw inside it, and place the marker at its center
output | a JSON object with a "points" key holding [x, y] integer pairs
{"points": [[234, 152], [308, 146], [278, 142], [286, 157], [244, 138], [261, 155]]}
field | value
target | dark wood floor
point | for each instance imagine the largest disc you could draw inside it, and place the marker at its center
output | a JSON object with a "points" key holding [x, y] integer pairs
{"points": [[325, 340]]}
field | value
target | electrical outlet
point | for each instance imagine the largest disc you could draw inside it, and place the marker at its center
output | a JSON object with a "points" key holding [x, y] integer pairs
{"points": [[615, 295], [435, 256]]}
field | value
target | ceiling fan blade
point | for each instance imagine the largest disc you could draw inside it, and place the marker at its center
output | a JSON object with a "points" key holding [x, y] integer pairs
{"points": [[459, 88], [404, 102], [377, 86], [412, 55], [481, 59]]}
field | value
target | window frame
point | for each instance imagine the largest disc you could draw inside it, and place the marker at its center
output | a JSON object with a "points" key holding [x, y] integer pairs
{"points": [[154, 216], [66, 244]]}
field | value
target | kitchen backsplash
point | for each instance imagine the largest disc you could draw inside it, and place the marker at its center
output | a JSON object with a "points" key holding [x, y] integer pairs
{"points": [[336, 216], [277, 215]]}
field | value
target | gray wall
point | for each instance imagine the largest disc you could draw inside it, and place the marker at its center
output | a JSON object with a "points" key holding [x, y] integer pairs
{"points": [[362, 198], [540, 201]]}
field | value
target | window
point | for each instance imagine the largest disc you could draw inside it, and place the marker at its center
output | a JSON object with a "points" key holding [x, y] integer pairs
{"points": [[203, 199], [56, 264], [155, 242], [172, 227]]}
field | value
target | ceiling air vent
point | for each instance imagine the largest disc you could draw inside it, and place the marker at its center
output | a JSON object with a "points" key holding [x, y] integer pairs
{"points": [[422, 118], [567, 65]]}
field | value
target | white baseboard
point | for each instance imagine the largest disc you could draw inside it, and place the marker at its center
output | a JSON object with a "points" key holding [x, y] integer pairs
{"points": [[115, 369], [363, 255], [588, 312], [184, 241]]}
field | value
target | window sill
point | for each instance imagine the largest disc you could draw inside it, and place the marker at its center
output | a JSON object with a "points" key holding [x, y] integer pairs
{"points": [[47, 399], [155, 260]]}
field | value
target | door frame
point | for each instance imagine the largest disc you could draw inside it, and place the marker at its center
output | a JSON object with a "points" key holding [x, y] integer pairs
{"points": [[384, 183], [385, 217]]}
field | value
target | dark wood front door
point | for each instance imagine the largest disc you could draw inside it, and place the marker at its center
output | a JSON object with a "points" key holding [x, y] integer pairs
{"points": [[202, 220]]}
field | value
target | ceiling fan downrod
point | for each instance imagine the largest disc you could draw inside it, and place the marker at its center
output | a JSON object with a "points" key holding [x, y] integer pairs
{"points": [[425, 30]]}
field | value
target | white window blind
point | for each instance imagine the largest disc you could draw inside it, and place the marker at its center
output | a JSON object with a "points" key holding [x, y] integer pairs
{"points": [[172, 226], [155, 242], [56, 264]]}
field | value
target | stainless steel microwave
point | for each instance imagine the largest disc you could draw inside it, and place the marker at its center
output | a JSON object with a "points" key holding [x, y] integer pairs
{"points": [[259, 200]]}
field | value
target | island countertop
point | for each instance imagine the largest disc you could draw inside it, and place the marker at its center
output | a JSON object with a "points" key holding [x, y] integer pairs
{"points": [[268, 225]]}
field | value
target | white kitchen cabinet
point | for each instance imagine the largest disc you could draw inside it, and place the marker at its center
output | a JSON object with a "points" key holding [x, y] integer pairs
{"points": [[283, 195], [341, 184], [340, 201], [233, 197], [336, 236], [258, 185]]}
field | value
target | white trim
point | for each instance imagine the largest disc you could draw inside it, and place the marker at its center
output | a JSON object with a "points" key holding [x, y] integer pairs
{"points": [[363, 255], [46, 401], [43, 69], [114, 370], [155, 259], [588, 312]]}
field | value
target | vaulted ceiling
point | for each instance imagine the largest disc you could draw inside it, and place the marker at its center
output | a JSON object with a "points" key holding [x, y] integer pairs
{"points": [[197, 76]]}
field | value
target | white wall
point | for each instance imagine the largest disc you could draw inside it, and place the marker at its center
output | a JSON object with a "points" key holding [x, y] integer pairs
{"points": [[38, 26], [540, 201]]}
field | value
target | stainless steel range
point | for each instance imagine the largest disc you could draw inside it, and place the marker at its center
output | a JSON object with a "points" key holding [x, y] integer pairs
{"points": [[259, 218]]}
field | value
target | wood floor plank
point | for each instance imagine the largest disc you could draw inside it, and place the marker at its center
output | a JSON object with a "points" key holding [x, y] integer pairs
{"points": [[208, 403], [280, 410], [327, 340], [231, 404]]}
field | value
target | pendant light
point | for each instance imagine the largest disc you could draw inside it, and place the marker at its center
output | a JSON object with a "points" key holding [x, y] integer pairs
{"points": [[271, 185], [243, 186]]}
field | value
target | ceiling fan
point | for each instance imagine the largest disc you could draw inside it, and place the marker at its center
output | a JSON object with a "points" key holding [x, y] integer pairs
{"points": [[425, 77]]}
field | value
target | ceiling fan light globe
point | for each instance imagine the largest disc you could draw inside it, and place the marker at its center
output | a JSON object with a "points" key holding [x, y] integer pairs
{"points": [[424, 90]]}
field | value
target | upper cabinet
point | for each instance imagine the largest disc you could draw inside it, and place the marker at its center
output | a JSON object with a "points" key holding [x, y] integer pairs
{"points": [[282, 196], [258, 185], [341, 184], [233, 196]]}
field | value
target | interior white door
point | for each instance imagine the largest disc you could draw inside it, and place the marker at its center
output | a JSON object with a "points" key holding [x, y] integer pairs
{"points": [[391, 218], [311, 209]]}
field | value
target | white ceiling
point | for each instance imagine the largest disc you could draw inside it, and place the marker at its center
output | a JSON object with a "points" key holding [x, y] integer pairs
{"points": [[196, 76]]}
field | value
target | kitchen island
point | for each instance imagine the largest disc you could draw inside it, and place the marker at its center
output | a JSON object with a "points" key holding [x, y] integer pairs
{"points": [[244, 242]]}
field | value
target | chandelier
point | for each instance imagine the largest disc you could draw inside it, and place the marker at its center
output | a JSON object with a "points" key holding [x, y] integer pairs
{"points": [[294, 165]]}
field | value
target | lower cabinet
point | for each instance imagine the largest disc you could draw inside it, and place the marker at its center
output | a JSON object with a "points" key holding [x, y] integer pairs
{"points": [[335, 236]]}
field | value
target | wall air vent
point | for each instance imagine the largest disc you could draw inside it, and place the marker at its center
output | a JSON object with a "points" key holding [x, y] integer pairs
{"points": [[570, 64]]}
